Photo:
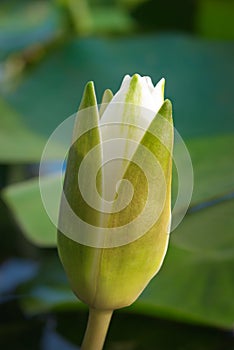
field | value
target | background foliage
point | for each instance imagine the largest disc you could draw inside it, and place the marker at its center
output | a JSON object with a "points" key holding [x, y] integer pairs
{"points": [[48, 51]]}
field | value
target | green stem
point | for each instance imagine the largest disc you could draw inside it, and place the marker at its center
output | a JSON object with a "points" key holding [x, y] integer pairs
{"points": [[96, 330]]}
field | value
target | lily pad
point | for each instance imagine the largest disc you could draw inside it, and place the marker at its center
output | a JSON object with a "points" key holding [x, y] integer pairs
{"points": [[196, 281], [25, 201], [194, 285], [212, 159], [209, 156], [19, 143], [196, 80]]}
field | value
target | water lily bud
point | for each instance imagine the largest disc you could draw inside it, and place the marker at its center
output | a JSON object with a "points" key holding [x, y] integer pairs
{"points": [[123, 198]]}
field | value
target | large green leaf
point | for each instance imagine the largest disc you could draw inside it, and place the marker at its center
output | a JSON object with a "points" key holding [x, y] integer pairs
{"points": [[212, 159], [18, 143], [213, 170], [196, 74], [195, 283], [25, 201], [196, 80]]}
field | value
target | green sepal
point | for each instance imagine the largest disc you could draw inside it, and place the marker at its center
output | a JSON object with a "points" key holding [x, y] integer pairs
{"points": [[79, 261], [111, 278], [126, 270], [106, 99]]}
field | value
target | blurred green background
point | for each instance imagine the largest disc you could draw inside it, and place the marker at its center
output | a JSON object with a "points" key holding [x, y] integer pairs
{"points": [[48, 51]]}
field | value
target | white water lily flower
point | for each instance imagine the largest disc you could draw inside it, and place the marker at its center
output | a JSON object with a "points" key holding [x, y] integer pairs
{"points": [[145, 94], [134, 91], [132, 135]]}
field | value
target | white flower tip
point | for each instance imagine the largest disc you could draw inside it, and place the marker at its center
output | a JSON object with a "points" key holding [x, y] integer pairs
{"points": [[126, 80], [149, 84], [158, 92], [161, 85], [135, 77]]}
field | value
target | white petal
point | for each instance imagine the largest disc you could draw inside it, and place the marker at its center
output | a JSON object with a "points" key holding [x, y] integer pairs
{"points": [[147, 100], [158, 94], [150, 84], [136, 103], [126, 81]]}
